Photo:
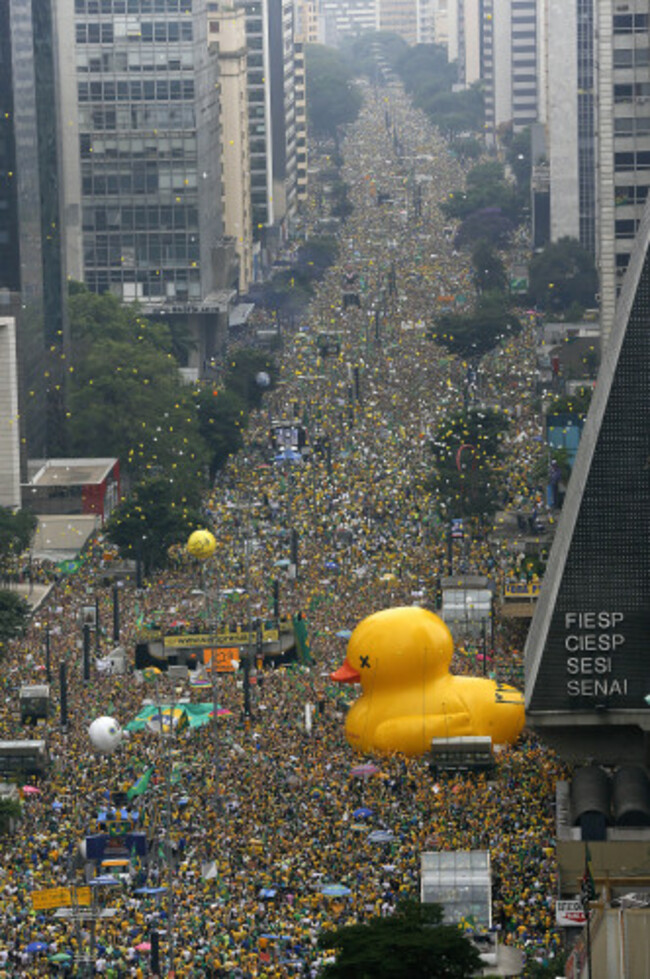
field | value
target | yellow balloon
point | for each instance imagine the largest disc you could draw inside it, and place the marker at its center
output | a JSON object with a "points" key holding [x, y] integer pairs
{"points": [[401, 657], [201, 544]]}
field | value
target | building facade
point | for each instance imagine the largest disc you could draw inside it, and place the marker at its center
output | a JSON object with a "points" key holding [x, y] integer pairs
{"points": [[598, 91], [342, 18], [227, 32], [271, 113], [586, 656], [32, 220], [141, 104]]}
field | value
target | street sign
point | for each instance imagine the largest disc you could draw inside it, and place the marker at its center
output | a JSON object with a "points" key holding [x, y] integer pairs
{"points": [[60, 897], [569, 914]]}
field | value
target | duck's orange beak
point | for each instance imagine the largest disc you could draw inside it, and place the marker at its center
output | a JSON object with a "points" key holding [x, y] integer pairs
{"points": [[346, 674]]}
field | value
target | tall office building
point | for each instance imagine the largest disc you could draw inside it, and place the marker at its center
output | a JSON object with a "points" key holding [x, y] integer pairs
{"points": [[399, 17], [623, 143], [598, 112], [342, 18], [227, 32], [308, 26], [142, 157], [586, 655], [571, 119], [32, 271], [497, 43], [271, 114], [302, 153]]}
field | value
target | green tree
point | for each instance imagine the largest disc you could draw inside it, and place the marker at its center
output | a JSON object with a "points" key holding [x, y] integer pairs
{"points": [[14, 615], [489, 224], [16, 531], [466, 449], [316, 255], [562, 274], [152, 519], [411, 942], [222, 420], [474, 334], [129, 401], [10, 812], [97, 318], [486, 187], [246, 375], [332, 96], [489, 272]]}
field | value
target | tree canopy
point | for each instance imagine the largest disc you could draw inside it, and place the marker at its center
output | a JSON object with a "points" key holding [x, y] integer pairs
{"points": [[488, 270], [150, 520], [16, 531], [14, 614], [486, 187], [474, 334], [562, 274], [466, 449], [249, 374], [332, 96], [411, 942], [223, 417]]}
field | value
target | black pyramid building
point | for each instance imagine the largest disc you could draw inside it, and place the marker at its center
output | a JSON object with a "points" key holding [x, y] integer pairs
{"points": [[587, 657]]}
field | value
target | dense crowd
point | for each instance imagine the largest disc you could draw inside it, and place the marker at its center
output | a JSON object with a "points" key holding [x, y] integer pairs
{"points": [[259, 836]]}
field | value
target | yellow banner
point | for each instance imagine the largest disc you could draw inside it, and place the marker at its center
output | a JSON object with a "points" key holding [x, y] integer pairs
{"points": [[60, 897], [223, 636], [521, 589]]}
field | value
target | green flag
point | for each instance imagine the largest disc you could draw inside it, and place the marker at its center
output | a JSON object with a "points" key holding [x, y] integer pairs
{"points": [[302, 640], [588, 883], [141, 786]]}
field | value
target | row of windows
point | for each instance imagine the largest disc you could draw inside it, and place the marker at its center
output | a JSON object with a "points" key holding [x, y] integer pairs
{"points": [[134, 147], [632, 126], [624, 162], [136, 182], [630, 23], [132, 6], [135, 59], [640, 91], [140, 119], [147, 31], [170, 284], [162, 90], [152, 250], [631, 195], [625, 229], [631, 57], [141, 218]]}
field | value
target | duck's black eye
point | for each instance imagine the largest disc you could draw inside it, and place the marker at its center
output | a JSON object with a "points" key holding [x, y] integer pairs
{"points": [[364, 662]]}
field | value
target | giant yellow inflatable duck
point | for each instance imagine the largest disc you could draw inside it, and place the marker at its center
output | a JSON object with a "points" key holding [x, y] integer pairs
{"points": [[401, 657]]}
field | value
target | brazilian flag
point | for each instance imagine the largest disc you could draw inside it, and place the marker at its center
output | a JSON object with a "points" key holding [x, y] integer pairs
{"points": [[302, 639], [69, 567]]}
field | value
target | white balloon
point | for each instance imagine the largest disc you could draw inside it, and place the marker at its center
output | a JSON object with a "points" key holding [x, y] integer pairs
{"points": [[263, 379], [105, 734]]}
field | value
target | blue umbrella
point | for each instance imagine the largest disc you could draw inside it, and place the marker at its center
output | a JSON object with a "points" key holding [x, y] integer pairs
{"points": [[35, 947], [343, 634], [362, 813], [335, 890], [268, 892], [331, 565]]}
